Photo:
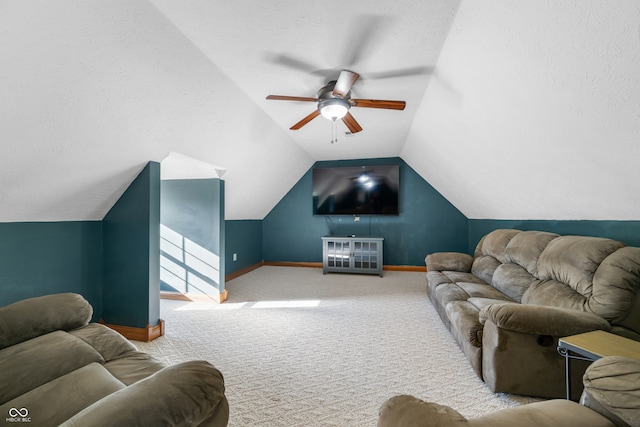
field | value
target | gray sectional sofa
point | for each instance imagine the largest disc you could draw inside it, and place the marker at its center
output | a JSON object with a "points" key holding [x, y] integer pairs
{"points": [[508, 305], [56, 368]]}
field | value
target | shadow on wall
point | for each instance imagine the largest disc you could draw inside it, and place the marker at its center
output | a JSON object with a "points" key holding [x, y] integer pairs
{"points": [[187, 267]]}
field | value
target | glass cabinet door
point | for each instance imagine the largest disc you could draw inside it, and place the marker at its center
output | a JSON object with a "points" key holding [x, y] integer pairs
{"points": [[365, 255], [338, 254]]}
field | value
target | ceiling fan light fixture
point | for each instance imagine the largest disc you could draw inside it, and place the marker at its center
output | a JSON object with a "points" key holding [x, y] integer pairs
{"points": [[334, 108]]}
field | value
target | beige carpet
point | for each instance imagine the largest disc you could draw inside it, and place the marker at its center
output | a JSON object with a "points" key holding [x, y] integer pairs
{"points": [[299, 348]]}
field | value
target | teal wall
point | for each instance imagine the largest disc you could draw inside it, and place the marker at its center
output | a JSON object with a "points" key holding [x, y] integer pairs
{"points": [[427, 222], [244, 238], [193, 211], [627, 232], [114, 263], [40, 258], [131, 254]]}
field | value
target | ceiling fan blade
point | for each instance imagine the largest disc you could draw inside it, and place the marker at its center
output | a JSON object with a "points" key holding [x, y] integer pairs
{"points": [[306, 120], [378, 103], [291, 62], [345, 81], [365, 33], [405, 72], [292, 98], [351, 123]]}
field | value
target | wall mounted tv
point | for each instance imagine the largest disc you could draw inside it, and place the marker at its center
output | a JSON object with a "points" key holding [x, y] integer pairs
{"points": [[356, 190]]}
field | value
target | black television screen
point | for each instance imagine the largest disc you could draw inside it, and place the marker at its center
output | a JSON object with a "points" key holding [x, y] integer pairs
{"points": [[356, 190]]}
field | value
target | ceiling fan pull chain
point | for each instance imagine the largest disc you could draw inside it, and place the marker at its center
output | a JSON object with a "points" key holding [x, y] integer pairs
{"points": [[334, 131]]}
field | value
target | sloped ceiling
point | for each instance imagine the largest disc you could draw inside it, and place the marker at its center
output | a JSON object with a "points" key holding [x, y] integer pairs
{"points": [[515, 109]]}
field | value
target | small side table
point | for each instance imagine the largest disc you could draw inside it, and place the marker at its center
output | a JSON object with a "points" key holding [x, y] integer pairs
{"points": [[592, 346]]}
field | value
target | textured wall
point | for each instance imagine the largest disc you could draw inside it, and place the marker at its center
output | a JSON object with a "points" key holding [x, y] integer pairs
{"points": [[427, 222], [41, 258], [244, 238], [131, 254], [192, 241]]}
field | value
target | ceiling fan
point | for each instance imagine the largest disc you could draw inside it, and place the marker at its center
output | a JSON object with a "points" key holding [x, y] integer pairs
{"points": [[334, 102]]}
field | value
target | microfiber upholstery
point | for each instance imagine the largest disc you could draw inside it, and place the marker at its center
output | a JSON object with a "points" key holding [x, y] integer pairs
{"points": [[58, 400], [523, 292], [33, 317], [612, 387], [180, 395], [104, 340], [409, 411], [62, 370], [30, 364]]}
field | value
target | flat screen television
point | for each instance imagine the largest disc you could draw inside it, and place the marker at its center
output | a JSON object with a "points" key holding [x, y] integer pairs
{"points": [[356, 190]]}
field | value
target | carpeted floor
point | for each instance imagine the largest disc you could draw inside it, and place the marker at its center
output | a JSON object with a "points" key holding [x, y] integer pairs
{"points": [[299, 348]]}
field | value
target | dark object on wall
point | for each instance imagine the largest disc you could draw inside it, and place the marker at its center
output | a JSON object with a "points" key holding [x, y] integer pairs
{"points": [[356, 190]]}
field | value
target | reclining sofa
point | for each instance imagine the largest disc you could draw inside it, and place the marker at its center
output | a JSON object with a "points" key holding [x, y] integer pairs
{"points": [[508, 305], [610, 399], [56, 368]]}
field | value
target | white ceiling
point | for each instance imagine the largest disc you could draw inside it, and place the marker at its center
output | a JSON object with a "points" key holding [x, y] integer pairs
{"points": [[524, 110]]}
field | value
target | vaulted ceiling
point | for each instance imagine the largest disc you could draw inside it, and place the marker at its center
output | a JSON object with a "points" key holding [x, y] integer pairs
{"points": [[515, 109]]}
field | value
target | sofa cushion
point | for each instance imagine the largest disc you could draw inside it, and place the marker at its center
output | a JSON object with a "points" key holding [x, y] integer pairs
{"points": [[495, 244], [484, 266], [109, 343], [612, 387], [573, 260], [58, 400], [32, 317], [133, 367], [449, 261], [32, 363], [616, 288], [525, 248], [447, 292], [186, 394], [409, 411], [512, 280], [481, 303], [479, 290]]}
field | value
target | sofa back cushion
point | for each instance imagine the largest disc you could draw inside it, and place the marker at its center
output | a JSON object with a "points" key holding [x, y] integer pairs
{"points": [[616, 288], [33, 317], [512, 280], [520, 265], [573, 260], [525, 248], [591, 274], [490, 253]]}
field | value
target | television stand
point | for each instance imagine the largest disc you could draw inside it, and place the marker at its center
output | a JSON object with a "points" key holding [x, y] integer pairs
{"points": [[351, 254]]}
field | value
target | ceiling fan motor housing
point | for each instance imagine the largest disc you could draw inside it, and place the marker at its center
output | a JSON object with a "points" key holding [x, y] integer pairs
{"points": [[328, 103]]}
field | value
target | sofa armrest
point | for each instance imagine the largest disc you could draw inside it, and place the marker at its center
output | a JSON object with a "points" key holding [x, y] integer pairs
{"points": [[190, 393], [409, 411], [542, 320], [612, 388], [449, 261]]}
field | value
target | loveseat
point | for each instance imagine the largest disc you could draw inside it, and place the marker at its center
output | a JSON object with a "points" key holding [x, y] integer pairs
{"points": [[610, 399], [508, 304], [56, 368]]}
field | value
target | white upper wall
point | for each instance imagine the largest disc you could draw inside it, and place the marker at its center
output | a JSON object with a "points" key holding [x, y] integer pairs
{"points": [[534, 111], [527, 110]]}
